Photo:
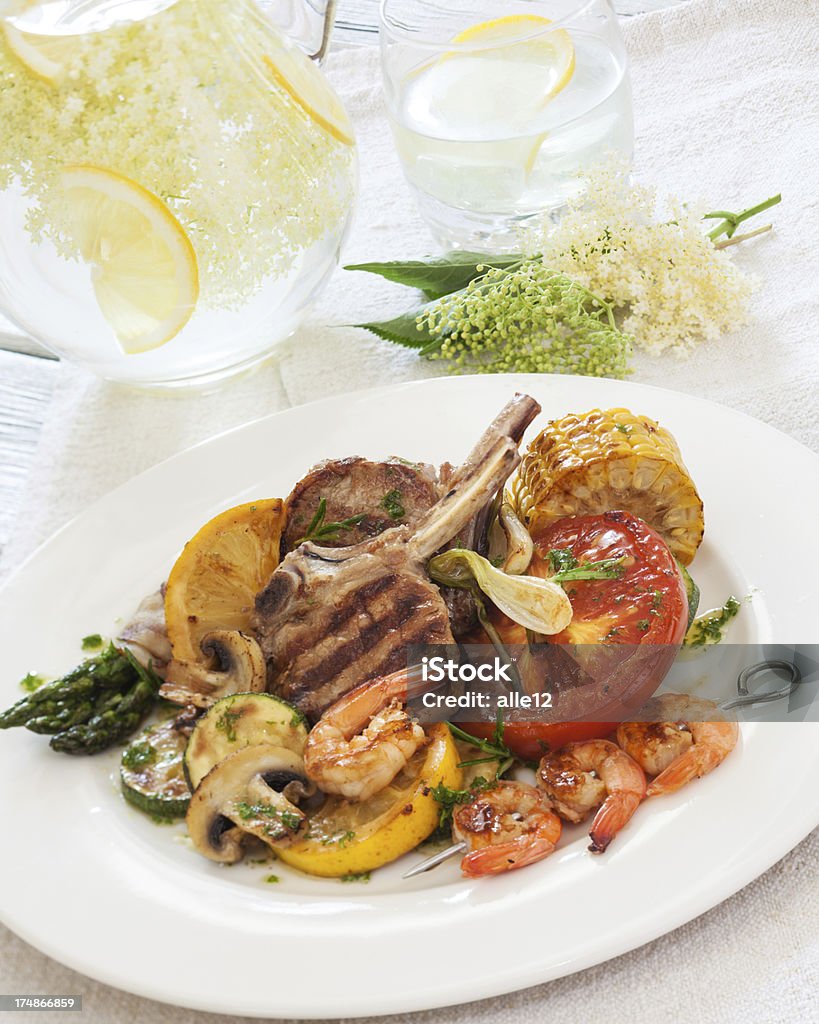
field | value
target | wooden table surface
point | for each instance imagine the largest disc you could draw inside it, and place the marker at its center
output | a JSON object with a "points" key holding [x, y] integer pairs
{"points": [[28, 373]]}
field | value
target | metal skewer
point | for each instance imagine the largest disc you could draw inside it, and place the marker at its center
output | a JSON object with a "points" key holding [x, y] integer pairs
{"points": [[747, 699], [435, 860], [744, 698]]}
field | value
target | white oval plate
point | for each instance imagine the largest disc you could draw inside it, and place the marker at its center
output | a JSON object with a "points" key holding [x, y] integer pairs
{"points": [[95, 885]]}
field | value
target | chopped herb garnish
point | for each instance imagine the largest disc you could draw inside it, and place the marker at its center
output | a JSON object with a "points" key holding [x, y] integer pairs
{"points": [[623, 428], [495, 747], [283, 823], [319, 530], [226, 723], [657, 600], [138, 755], [562, 559], [93, 642], [355, 876], [31, 682], [568, 568], [708, 628], [449, 799], [272, 879], [340, 839], [393, 504], [644, 625]]}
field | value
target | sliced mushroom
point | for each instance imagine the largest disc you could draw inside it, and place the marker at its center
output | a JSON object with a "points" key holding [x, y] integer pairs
{"points": [[519, 546], [251, 792], [233, 663]]}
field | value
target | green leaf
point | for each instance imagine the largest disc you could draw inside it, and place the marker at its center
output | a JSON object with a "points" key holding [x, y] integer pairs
{"points": [[404, 330], [440, 275]]}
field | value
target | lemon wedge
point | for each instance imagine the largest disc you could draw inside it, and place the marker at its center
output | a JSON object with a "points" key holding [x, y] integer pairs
{"points": [[214, 582], [511, 38], [304, 83], [145, 273], [45, 56], [345, 838]]}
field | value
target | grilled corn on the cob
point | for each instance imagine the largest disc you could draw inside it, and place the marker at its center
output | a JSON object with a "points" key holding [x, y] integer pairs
{"points": [[605, 460]]}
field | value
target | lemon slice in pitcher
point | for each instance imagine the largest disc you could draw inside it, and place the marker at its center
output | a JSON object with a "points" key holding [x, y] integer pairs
{"points": [[145, 273], [45, 56], [304, 83]]}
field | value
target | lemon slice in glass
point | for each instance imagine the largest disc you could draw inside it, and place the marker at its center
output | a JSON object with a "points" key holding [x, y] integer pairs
{"points": [[492, 88], [45, 56], [525, 37], [295, 73], [214, 582], [345, 838], [145, 273]]}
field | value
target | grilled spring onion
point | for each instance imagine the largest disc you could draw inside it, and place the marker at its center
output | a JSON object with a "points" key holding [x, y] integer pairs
{"points": [[519, 546], [610, 459], [537, 604]]}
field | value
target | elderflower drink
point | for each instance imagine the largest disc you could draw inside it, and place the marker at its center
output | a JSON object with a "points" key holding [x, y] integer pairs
{"points": [[496, 116], [175, 181]]}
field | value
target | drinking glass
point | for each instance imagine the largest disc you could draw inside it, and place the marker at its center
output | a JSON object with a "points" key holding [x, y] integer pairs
{"points": [[498, 111], [176, 177]]}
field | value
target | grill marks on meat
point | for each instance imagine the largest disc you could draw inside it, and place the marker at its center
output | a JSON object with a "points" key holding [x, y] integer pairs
{"points": [[387, 493], [371, 615], [332, 618]]}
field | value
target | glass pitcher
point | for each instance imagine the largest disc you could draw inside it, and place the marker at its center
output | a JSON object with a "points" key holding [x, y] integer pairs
{"points": [[176, 178]]}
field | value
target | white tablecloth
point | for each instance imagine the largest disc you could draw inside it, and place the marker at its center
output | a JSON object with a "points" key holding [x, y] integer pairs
{"points": [[726, 107]]}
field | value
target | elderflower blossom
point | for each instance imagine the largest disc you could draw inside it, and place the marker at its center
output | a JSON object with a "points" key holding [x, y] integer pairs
{"points": [[526, 319], [673, 288], [252, 177]]}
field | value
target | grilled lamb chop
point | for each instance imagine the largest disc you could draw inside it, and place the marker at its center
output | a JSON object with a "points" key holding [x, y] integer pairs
{"points": [[331, 618], [385, 493], [380, 495]]}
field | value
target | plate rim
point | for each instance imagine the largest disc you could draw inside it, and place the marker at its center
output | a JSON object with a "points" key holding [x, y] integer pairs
{"points": [[383, 389]]}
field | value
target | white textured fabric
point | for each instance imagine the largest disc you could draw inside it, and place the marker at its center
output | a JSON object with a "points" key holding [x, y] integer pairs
{"points": [[726, 106]]}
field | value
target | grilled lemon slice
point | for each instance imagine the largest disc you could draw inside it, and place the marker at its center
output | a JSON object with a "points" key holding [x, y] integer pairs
{"points": [[214, 582], [345, 838], [611, 459]]}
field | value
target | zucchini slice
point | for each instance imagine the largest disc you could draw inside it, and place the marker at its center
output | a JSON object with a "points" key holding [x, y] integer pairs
{"points": [[242, 720], [693, 592], [152, 775]]}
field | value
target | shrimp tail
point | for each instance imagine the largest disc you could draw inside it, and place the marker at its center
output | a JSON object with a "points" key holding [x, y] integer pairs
{"points": [[693, 764], [517, 853], [616, 810]]}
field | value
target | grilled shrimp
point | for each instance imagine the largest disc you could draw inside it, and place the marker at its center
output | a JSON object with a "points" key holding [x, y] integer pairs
{"points": [[505, 827], [593, 774], [686, 738], [363, 741]]}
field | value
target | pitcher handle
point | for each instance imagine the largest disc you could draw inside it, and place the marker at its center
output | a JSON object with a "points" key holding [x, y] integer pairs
{"points": [[326, 32]]}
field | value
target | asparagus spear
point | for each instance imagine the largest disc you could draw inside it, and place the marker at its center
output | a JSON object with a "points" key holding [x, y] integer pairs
{"points": [[101, 701]]}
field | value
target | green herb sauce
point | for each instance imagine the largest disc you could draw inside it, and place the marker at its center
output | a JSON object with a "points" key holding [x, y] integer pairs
{"points": [[393, 504], [708, 629]]}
